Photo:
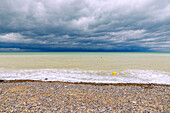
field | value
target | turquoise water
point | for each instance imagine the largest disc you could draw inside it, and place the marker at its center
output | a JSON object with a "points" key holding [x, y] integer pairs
{"points": [[84, 53]]}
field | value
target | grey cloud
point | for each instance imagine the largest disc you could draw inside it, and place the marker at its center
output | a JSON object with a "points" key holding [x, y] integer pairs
{"points": [[88, 24]]}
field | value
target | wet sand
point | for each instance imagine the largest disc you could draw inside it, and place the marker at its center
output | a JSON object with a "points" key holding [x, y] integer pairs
{"points": [[39, 96]]}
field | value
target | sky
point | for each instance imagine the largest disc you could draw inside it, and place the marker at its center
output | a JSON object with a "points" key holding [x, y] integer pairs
{"points": [[85, 25]]}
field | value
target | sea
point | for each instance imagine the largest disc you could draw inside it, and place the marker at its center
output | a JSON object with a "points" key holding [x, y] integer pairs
{"points": [[93, 67]]}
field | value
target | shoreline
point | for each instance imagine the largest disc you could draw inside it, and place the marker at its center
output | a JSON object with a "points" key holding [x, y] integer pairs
{"points": [[88, 83]]}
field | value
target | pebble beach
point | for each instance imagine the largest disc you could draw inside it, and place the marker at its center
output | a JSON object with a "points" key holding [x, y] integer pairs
{"points": [[51, 97]]}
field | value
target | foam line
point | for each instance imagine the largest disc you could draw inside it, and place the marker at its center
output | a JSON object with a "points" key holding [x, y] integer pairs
{"points": [[68, 75]]}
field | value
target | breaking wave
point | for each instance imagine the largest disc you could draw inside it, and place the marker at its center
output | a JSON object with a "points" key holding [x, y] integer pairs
{"points": [[68, 75]]}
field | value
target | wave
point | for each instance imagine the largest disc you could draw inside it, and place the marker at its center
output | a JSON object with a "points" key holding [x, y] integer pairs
{"points": [[69, 75]]}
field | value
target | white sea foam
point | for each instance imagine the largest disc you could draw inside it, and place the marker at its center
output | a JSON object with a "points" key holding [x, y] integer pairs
{"points": [[128, 76]]}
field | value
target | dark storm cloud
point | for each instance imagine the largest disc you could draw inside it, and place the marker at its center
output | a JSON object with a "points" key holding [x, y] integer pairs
{"points": [[88, 25]]}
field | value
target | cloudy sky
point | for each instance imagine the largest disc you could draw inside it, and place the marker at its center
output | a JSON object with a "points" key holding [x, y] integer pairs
{"points": [[85, 25]]}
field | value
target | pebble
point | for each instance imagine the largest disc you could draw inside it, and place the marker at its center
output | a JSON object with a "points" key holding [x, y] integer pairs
{"points": [[63, 97], [46, 78], [134, 102]]}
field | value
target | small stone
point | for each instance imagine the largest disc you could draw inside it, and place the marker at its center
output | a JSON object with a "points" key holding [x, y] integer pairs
{"points": [[134, 102], [114, 107], [0, 91], [83, 107], [28, 107], [54, 109], [46, 78], [102, 110]]}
